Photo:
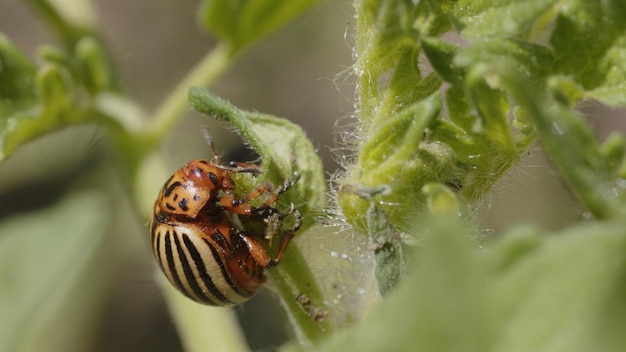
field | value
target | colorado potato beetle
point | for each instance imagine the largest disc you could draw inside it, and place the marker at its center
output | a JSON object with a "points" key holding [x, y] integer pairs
{"points": [[194, 237]]}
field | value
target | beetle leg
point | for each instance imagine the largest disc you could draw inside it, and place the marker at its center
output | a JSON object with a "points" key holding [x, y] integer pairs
{"points": [[241, 206], [285, 239], [273, 197], [245, 167], [256, 250]]}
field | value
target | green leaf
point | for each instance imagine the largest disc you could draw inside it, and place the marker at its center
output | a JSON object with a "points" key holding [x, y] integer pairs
{"points": [[480, 130], [440, 54], [87, 63], [401, 89], [440, 199], [562, 292], [94, 67], [504, 18], [387, 247], [17, 76], [396, 156], [243, 22], [527, 292], [50, 286], [384, 28], [612, 90], [399, 137], [493, 108], [57, 107], [379, 52], [438, 307], [498, 55], [282, 145], [574, 149], [71, 20], [38, 100], [583, 37]]}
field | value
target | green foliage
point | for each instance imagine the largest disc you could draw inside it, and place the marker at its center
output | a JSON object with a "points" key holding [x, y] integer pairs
{"points": [[529, 292], [43, 271], [450, 95], [503, 86], [241, 23], [71, 21]]}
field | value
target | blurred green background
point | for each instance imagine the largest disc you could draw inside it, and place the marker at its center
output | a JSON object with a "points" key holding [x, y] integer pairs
{"points": [[301, 73], [298, 74]]}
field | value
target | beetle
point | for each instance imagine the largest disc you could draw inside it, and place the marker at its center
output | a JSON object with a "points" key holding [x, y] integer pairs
{"points": [[197, 241]]}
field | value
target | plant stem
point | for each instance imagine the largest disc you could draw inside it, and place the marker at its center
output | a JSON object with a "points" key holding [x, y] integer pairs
{"points": [[294, 277], [171, 110]]}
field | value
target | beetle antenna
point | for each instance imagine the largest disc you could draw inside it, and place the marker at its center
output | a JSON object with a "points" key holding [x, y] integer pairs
{"points": [[209, 140]]}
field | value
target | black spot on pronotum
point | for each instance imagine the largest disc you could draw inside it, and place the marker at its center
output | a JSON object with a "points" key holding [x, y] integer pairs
{"points": [[213, 178], [171, 188], [167, 183], [183, 204]]}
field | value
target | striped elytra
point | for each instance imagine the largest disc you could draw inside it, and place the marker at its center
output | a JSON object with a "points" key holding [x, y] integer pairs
{"points": [[195, 243]]}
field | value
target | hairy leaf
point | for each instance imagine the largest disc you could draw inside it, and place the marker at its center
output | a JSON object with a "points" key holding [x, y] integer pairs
{"points": [[282, 145]]}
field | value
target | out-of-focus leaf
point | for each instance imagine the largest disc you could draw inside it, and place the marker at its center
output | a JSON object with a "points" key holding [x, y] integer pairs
{"points": [[583, 39], [38, 100], [50, 289], [72, 20], [17, 79], [243, 22], [574, 149], [438, 307], [504, 18], [202, 327], [527, 292], [440, 54], [56, 107], [612, 66], [560, 293]]}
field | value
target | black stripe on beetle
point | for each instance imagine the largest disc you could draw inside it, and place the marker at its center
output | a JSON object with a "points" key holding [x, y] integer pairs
{"points": [[203, 274], [190, 214], [226, 274], [171, 264], [191, 277]]}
